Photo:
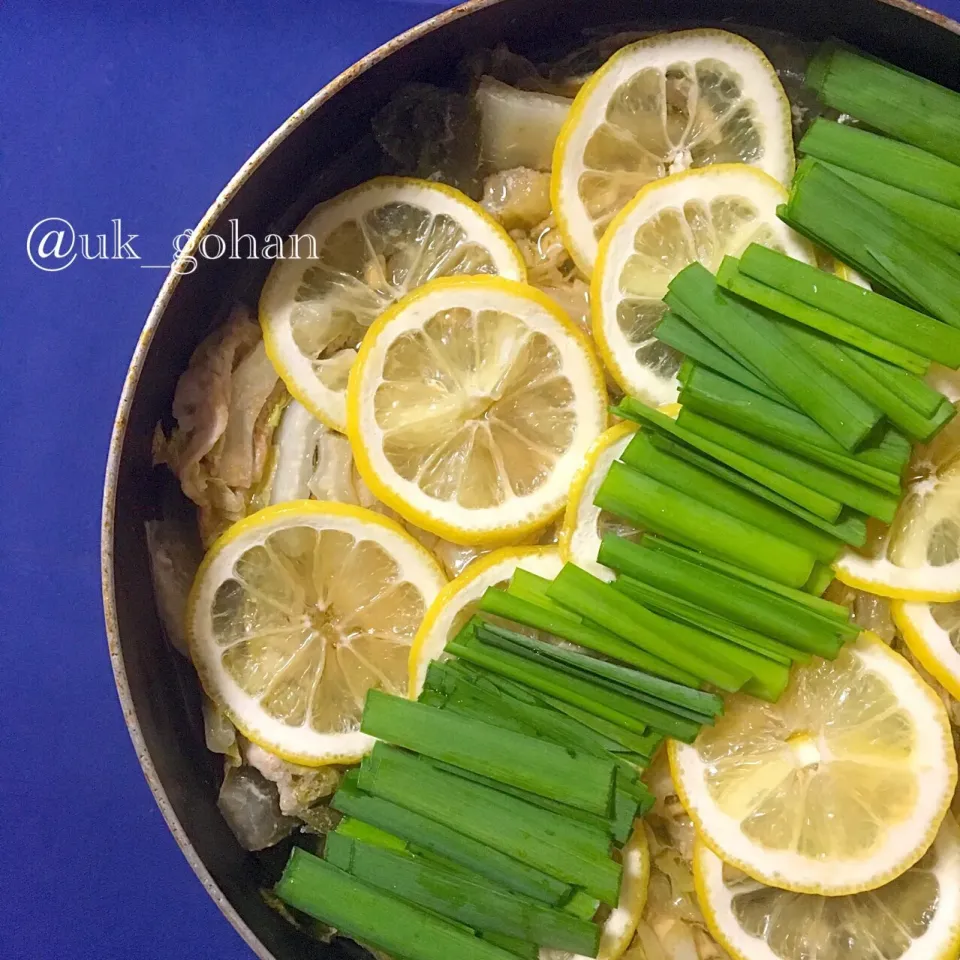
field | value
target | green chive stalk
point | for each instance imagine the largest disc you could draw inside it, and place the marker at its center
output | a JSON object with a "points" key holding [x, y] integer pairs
{"points": [[629, 802], [665, 691], [636, 744], [820, 579], [911, 287], [467, 701], [655, 713], [581, 905], [933, 406], [671, 606], [563, 625], [608, 824], [881, 245], [693, 649], [902, 165], [528, 586], [537, 766], [458, 896], [720, 493], [901, 104], [436, 837], [661, 716], [842, 362], [855, 369], [670, 721], [473, 707], [767, 679], [369, 915], [622, 711], [750, 460], [937, 219], [516, 948], [368, 833], [880, 315], [764, 678], [730, 278], [720, 399], [626, 810], [680, 335], [850, 529], [484, 699], [758, 338], [652, 505], [920, 395], [563, 848], [825, 609], [613, 738], [736, 600], [841, 488]]}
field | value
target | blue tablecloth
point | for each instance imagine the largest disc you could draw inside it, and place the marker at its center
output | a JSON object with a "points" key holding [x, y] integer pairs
{"points": [[136, 112]]}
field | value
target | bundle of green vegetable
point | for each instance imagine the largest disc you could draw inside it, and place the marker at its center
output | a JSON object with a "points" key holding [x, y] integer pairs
{"points": [[800, 393], [889, 207], [856, 335], [799, 399], [488, 818]]}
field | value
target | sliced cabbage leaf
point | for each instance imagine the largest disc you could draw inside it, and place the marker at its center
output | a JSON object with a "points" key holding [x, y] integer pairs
{"points": [[431, 132], [219, 733], [244, 447], [226, 406], [298, 788], [295, 453], [174, 559], [518, 128], [518, 198], [251, 806]]}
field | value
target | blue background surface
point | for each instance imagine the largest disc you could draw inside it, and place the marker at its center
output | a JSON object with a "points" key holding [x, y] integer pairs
{"points": [[140, 112]]}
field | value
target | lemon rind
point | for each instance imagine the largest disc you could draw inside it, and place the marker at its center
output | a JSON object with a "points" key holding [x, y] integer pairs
{"points": [[486, 528], [430, 639], [929, 643], [239, 707], [660, 51], [708, 877], [329, 406], [886, 579], [636, 856], [580, 517], [800, 874], [721, 179]]}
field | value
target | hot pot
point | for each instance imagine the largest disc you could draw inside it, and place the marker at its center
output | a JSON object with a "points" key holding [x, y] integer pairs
{"points": [[324, 148]]}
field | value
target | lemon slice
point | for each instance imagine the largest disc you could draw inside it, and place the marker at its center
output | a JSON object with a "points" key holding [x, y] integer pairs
{"points": [[932, 632], [472, 404], [838, 788], [458, 600], [296, 612], [661, 106], [584, 523], [919, 560], [621, 924], [351, 258], [914, 917], [700, 215]]}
